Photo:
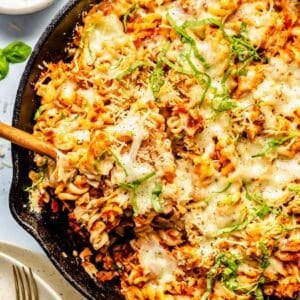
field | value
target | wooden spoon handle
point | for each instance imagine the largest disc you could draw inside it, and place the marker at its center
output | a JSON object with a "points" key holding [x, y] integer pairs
{"points": [[26, 140]]}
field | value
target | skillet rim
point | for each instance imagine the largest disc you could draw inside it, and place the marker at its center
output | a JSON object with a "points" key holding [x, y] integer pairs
{"points": [[17, 156]]}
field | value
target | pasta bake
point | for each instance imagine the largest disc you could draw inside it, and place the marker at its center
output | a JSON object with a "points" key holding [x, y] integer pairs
{"points": [[176, 125]]}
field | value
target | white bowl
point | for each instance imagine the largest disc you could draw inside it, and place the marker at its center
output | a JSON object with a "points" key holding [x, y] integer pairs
{"points": [[21, 7]]}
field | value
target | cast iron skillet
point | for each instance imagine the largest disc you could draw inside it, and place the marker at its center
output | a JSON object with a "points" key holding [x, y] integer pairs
{"points": [[50, 231]]}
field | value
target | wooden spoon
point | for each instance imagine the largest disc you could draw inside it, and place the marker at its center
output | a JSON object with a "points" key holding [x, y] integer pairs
{"points": [[26, 140]]}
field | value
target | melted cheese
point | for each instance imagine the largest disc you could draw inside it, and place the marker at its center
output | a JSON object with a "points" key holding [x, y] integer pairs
{"points": [[156, 260]]}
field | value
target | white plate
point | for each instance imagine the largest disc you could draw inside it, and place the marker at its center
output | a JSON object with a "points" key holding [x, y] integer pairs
{"points": [[7, 281], [20, 7]]}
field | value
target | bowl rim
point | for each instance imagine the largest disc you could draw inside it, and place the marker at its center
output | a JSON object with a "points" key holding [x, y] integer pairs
{"points": [[25, 8], [14, 149]]}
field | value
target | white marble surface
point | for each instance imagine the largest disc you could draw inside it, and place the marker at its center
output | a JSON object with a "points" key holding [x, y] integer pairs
{"points": [[26, 28]]}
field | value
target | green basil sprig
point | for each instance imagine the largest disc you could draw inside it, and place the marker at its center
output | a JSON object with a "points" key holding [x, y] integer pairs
{"points": [[15, 52], [4, 67]]}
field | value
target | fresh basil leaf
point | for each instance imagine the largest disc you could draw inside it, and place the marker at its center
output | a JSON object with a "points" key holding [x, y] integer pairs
{"points": [[4, 66], [17, 52]]}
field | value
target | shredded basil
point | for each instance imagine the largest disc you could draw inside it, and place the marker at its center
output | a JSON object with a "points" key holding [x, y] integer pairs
{"points": [[133, 67], [211, 274], [221, 102], [133, 185], [294, 188], [38, 113], [41, 177], [91, 28], [265, 255], [225, 189], [118, 161], [137, 182], [177, 68], [263, 209], [156, 192], [242, 50], [228, 275], [98, 159], [131, 13], [186, 38], [156, 78], [236, 227], [272, 145], [259, 294]]}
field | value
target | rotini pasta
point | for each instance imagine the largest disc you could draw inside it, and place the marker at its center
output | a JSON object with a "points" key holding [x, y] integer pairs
{"points": [[177, 130]]}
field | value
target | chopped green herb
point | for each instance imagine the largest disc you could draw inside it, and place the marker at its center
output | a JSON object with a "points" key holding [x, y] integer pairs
{"points": [[265, 255], [294, 188], [225, 189], [134, 203], [118, 64], [259, 294], [221, 102], [156, 78], [228, 200], [207, 21], [133, 67], [242, 50], [273, 144], [255, 197], [41, 177], [212, 273], [98, 159], [178, 137], [187, 39], [156, 192], [202, 77], [236, 227], [229, 274], [131, 13], [38, 113], [263, 209], [91, 28], [137, 182], [118, 161], [133, 185], [177, 68]]}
